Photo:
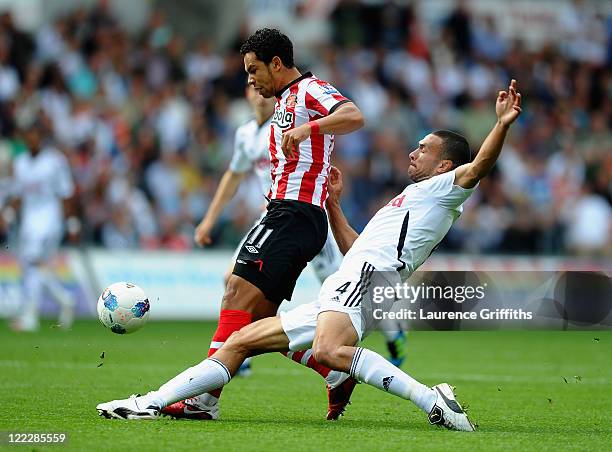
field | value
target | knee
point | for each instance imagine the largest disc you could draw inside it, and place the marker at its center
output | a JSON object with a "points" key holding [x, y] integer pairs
{"points": [[241, 295], [234, 297], [326, 354], [226, 278], [237, 343], [231, 290]]}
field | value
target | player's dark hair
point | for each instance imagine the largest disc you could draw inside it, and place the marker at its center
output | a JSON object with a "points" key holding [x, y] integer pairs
{"points": [[266, 43], [455, 147]]}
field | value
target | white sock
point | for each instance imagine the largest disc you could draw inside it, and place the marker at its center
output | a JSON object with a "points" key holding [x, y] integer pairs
{"points": [[389, 329], [210, 374], [371, 368], [55, 288], [181, 378], [33, 289], [335, 378], [390, 335], [205, 400], [202, 400], [247, 362]]}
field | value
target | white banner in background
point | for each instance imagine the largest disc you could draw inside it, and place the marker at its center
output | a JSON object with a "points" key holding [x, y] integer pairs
{"points": [[189, 286], [71, 271], [181, 286]]}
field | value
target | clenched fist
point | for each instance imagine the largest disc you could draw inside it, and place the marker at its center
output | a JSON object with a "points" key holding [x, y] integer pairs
{"points": [[293, 137]]}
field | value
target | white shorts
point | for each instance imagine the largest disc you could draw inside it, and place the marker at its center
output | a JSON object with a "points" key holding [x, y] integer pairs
{"points": [[300, 325], [344, 291], [329, 258], [38, 245]]}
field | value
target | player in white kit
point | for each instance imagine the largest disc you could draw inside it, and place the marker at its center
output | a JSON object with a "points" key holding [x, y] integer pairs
{"points": [[42, 181], [397, 240]]}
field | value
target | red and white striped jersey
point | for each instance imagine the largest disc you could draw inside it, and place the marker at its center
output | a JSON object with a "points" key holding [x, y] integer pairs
{"points": [[303, 177]]}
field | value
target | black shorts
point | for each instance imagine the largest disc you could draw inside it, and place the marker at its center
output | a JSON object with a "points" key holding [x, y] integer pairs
{"points": [[278, 248]]}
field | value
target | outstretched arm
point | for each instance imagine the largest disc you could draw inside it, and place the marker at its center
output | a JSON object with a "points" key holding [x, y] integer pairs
{"points": [[507, 108], [344, 234]]}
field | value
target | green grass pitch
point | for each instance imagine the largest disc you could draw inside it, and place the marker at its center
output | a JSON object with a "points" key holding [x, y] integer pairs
{"points": [[527, 390]]}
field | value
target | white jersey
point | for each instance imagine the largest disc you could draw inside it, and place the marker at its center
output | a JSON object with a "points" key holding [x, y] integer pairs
{"points": [[42, 182], [403, 234], [251, 152], [397, 240]]}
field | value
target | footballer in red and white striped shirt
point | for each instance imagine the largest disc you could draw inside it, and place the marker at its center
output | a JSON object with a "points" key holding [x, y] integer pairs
{"points": [[302, 176], [308, 112]]}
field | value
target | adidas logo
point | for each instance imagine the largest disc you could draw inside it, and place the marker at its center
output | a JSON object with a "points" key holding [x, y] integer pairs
{"points": [[387, 382]]}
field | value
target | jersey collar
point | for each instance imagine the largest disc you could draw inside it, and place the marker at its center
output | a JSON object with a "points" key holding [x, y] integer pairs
{"points": [[280, 92]]}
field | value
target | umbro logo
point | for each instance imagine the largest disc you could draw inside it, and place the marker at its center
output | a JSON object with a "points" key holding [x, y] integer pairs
{"points": [[387, 382], [252, 249]]}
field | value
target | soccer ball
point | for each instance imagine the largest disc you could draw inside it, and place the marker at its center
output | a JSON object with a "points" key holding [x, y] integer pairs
{"points": [[123, 307]]}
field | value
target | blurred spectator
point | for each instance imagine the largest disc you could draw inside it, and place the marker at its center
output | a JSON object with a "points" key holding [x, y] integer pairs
{"points": [[589, 222], [147, 120], [9, 79], [203, 65]]}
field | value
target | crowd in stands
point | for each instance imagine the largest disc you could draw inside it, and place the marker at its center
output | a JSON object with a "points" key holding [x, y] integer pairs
{"points": [[147, 120]]}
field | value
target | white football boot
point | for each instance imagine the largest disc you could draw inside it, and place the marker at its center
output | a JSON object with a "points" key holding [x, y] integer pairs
{"points": [[134, 408], [447, 412]]}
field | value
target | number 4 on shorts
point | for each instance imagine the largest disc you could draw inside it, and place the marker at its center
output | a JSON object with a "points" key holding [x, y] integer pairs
{"points": [[344, 287]]}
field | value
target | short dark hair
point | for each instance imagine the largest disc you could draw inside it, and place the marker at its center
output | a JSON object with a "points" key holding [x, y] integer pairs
{"points": [[455, 147], [266, 43]]}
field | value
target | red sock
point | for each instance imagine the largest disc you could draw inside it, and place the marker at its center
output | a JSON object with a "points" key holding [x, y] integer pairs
{"points": [[306, 358], [229, 321]]}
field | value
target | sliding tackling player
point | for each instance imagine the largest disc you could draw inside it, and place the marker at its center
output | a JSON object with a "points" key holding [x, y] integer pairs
{"points": [[396, 241]]}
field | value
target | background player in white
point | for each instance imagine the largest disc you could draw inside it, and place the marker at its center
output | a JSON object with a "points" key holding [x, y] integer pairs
{"points": [[43, 183], [398, 239]]}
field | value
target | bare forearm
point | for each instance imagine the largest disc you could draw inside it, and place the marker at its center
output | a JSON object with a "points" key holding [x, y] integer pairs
{"points": [[346, 119], [344, 234], [226, 191], [490, 149], [468, 175], [70, 207]]}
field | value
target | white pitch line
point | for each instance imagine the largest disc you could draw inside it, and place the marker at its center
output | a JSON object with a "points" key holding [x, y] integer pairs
{"points": [[299, 371]]}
